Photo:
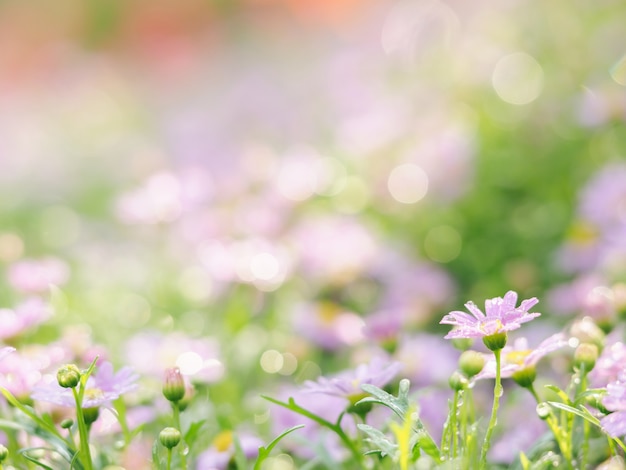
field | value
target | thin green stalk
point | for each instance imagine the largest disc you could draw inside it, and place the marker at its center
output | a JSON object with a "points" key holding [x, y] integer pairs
{"points": [[552, 423], [453, 424], [85, 452], [497, 392], [169, 459], [182, 448]]}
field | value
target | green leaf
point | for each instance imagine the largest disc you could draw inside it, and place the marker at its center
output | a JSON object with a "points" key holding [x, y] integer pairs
{"points": [[264, 452], [378, 439], [240, 458], [24, 454], [193, 432], [400, 406], [582, 412]]}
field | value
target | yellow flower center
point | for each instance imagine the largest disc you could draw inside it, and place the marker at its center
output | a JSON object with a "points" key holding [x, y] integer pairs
{"points": [[328, 312], [223, 441], [517, 357]]}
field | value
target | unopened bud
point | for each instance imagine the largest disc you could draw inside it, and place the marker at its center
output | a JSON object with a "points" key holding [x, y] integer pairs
{"points": [[587, 331], [67, 423], [586, 355], [471, 363], [68, 376], [169, 437], [4, 453], [173, 385], [458, 381]]}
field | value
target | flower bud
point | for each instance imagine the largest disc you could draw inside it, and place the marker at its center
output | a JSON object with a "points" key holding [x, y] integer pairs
{"points": [[458, 381], [68, 376], [586, 355], [91, 414], [4, 453], [173, 385], [471, 363], [587, 331], [496, 341], [169, 437], [67, 423]]}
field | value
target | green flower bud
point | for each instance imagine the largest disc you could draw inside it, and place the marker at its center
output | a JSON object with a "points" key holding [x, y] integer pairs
{"points": [[471, 363], [68, 376], [4, 453], [170, 437], [525, 377], [67, 423], [496, 341], [458, 381], [586, 355], [173, 385]]}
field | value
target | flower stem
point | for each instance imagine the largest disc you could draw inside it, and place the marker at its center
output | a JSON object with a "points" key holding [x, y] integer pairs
{"points": [[82, 431], [453, 425], [497, 392], [183, 447], [169, 459]]}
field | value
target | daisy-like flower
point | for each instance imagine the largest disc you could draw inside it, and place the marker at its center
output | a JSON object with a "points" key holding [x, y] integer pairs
{"points": [[615, 400], [519, 361], [102, 388], [501, 315], [379, 372]]}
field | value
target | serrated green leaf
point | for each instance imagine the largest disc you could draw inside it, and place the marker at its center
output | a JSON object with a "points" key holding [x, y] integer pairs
{"points": [[379, 440]]}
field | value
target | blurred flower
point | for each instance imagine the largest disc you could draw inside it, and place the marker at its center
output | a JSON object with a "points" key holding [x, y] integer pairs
{"points": [[27, 314], [609, 365], [501, 316], [415, 353], [615, 400], [520, 356], [149, 353], [328, 325], [222, 450], [102, 387], [378, 372], [35, 276]]}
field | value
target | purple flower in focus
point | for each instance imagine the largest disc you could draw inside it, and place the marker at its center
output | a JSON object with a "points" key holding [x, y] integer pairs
{"points": [[501, 315], [102, 387], [615, 400], [347, 384], [519, 356]]}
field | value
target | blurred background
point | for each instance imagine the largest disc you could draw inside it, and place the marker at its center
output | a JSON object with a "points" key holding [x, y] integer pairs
{"points": [[259, 190]]}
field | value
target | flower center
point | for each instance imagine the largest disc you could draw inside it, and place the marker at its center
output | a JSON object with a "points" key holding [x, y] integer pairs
{"points": [[517, 357], [223, 441]]}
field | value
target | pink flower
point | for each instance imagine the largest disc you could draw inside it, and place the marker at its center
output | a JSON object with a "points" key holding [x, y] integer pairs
{"points": [[519, 356], [36, 276], [501, 316]]}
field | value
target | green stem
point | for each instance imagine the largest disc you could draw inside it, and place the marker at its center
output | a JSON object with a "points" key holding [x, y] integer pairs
{"points": [[169, 459], [553, 424], [453, 424], [497, 392], [182, 448], [82, 432]]}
